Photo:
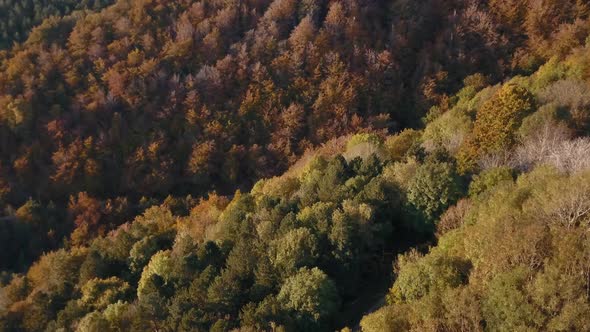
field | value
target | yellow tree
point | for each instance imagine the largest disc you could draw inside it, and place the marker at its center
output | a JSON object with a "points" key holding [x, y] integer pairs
{"points": [[495, 127]]}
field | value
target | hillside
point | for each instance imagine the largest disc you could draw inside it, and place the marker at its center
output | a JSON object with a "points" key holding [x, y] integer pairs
{"points": [[512, 254], [151, 98], [287, 254], [260, 165], [19, 17]]}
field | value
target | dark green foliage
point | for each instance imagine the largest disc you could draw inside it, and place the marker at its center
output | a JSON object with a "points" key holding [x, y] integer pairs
{"points": [[31, 221], [18, 17], [434, 188], [489, 179]]}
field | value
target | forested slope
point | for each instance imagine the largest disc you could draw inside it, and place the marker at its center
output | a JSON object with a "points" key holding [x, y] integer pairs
{"points": [[506, 216], [286, 255], [257, 165], [512, 255], [18, 17], [146, 99]]}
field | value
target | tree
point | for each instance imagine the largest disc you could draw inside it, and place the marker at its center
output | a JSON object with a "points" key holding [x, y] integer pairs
{"points": [[311, 294], [398, 146], [100, 293], [86, 213], [495, 127], [302, 34], [75, 166], [506, 306], [160, 266], [489, 179], [418, 277], [296, 249], [434, 187], [385, 319], [93, 322]]}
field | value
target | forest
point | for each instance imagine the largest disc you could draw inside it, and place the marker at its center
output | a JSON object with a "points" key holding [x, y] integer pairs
{"points": [[18, 17], [283, 165]]}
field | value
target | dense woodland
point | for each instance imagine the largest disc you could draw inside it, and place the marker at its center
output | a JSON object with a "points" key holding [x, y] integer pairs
{"points": [[18, 17], [259, 165]]}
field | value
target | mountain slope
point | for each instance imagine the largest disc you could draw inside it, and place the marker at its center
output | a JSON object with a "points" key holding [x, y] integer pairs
{"points": [[19, 17], [250, 165], [512, 255]]}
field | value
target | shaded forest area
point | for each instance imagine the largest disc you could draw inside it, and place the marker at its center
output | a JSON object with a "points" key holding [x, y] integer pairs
{"points": [[18, 17]]}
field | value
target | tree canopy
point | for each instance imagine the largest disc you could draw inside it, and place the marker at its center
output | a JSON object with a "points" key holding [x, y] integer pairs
{"points": [[260, 165]]}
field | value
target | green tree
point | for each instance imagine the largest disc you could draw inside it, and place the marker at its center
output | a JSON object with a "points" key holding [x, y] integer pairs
{"points": [[99, 293], [507, 307], [311, 294], [488, 179], [296, 249], [429, 275], [434, 187]]}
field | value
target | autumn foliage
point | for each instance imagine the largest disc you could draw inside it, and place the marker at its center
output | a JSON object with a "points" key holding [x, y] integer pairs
{"points": [[258, 165]]}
